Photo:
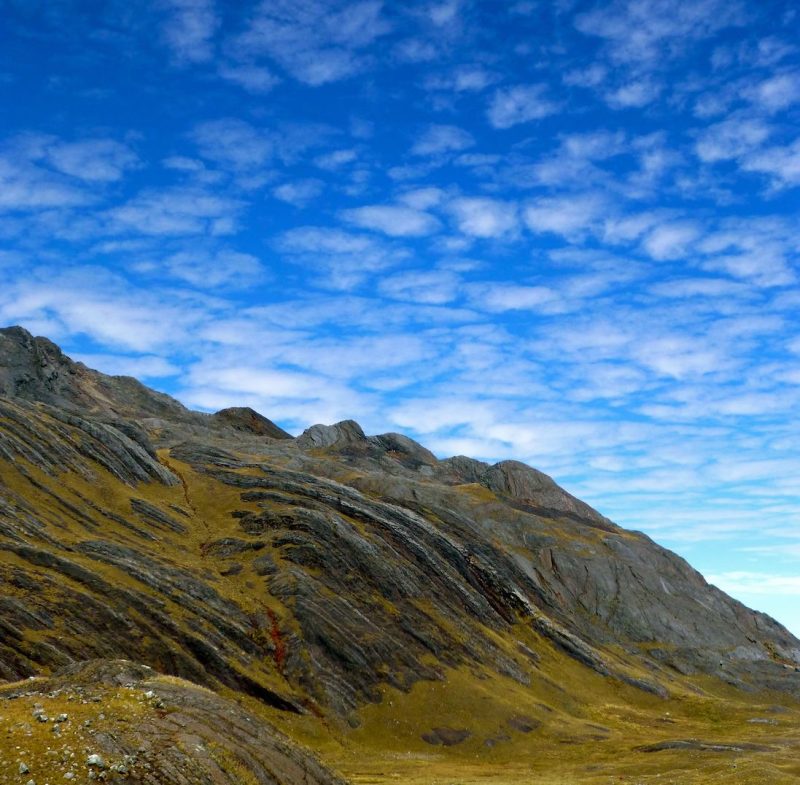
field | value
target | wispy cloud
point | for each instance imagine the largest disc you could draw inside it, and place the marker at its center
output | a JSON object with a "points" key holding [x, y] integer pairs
{"points": [[648, 31], [739, 582], [253, 78], [316, 42], [175, 211], [393, 220], [781, 163], [40, 171], [233, 143], [462, 79], [189, 29], [439, 139], [523, 103], [482, 217], [568, 216], [345, 258], [299, 192]]}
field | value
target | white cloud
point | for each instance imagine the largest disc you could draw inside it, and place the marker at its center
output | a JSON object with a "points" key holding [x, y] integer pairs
{"points": [[182, 163], [39, 171], [210, 270], [318, 41], [743, 582], [140, 366], [445, 12], [416, 50], [670, 240], [422, 198], [254, 78], [484, 217], [565, 215], [26, 187], [499, 298], [93, 160], [766, 266], [233, 143], [699, 287], [189, 29], [679, 356], [478, 160], [465, 78], [778, 92], [175, 211], [730, 139], [103, 306], [434, 287], [511, 106], [437, 139], [346, 258], [623, 229], [651, 31], [633, 95], [298, 192], [335, 159], [392, 220], [781, 163], [592, 76], [312, 239]]}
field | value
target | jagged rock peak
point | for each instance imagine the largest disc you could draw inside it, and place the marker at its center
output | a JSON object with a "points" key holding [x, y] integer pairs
{"points": [[527, 484], [243, 418], [404, 447], [31, 367], [35, 369], [339, 435]]}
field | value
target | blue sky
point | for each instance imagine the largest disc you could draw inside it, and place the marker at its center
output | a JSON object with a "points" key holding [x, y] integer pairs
{"points": [[563, 232]]}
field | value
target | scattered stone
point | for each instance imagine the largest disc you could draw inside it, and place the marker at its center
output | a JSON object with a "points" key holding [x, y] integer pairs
{"points": [[447, 737], [523, 723], [95, 761], [493, 741], [23, 768], [704, 746]]}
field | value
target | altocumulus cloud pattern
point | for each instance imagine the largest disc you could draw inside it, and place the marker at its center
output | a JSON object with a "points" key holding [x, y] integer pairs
{"points": [[562, 231]]}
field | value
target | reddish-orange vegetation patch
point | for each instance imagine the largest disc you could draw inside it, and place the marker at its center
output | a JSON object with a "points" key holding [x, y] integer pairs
{"points": [[277, 640]]}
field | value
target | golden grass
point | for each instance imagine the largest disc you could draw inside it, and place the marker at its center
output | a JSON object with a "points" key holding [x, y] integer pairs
{"points": [[590, 725]]}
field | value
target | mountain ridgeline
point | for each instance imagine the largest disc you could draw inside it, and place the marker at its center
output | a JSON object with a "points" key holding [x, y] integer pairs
{"points": [[333, 581]]}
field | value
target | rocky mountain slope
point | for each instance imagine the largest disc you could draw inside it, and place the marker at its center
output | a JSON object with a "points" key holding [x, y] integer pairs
{"points": [[335, 577]]}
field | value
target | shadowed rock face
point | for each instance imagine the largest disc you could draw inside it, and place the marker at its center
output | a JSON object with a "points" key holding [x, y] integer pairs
{"points": [[312, 572]]}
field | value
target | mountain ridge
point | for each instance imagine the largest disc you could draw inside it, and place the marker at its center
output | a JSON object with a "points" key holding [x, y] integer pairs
{"points": [[319, 575]]}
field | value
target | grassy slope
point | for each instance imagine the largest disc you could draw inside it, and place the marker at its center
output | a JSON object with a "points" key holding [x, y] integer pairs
{"points": [[590, 725]]}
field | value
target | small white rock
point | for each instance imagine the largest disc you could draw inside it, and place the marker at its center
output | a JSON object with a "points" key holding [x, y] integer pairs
{"points": [[95, 761], [23, 768]]}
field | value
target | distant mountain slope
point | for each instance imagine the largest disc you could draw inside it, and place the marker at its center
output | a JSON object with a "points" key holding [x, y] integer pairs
{"points": [[320, 573]]}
